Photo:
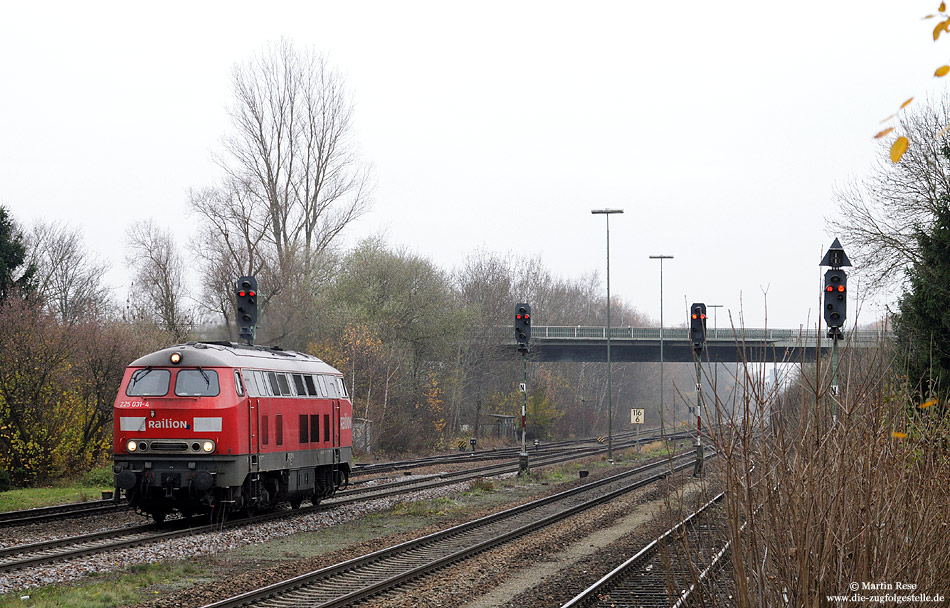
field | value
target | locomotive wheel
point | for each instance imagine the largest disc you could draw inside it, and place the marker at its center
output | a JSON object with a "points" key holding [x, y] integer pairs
{"points": [[159, 516], [295, 503]]}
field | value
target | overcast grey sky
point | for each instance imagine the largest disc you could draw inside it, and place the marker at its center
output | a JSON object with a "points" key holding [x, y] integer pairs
{"points": [[721, 128]]}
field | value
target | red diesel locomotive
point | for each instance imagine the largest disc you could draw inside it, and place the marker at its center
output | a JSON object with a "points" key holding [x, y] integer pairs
{"points": [[220, 427]]}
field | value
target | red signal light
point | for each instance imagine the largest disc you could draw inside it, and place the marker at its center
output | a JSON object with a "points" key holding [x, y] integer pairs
{"points": [[702, 317], [840, 288], [694, 316], [517, 316], [241, 293], [830, 288]]}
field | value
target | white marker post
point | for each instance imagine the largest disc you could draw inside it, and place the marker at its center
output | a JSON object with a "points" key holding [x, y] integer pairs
{"points": [[636, 418]]}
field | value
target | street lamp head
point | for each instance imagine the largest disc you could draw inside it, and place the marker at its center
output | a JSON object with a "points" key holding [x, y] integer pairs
{"points": [[598, 211]]}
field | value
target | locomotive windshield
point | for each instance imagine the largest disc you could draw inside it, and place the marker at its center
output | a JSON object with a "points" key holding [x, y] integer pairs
{"points": [[148, 382], [197, 383]]}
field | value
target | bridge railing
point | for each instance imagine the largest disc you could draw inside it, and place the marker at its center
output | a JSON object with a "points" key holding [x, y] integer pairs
{"points": [[581, 332]]}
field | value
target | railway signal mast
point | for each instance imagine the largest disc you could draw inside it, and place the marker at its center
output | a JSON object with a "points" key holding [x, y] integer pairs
{"points": [[835, 293], [523, 337], [247, 308], [697, 335]]}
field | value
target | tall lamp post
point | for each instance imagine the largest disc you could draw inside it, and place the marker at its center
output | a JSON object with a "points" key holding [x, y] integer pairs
{"points": [[715, 336], [610, 452], [662, 408]]}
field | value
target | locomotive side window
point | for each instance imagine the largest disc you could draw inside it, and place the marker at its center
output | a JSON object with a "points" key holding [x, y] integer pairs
{"points": [[197, 383], [323, 387], [279, 429], [250, 383], [311, 387], [298, 384], [148, 382], [284, 386], [262, 386], [304, 437], [341, 385], [238, 388], [326, 427], [315, 427], [275, 388], [264, 430]]}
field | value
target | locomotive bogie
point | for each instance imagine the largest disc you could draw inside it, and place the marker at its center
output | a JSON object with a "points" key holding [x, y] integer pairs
{"points": [[206, 427]]}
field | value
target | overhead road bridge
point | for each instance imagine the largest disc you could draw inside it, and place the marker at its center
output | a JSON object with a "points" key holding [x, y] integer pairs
{"points": [[642, 344]]}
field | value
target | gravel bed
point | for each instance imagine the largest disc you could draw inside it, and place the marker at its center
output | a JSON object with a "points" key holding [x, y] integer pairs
{"points": [[68, 526], [465, 583], [203, 544]]}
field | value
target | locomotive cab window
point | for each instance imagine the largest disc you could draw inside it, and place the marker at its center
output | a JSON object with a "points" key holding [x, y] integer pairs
{"points": [[275, 388], [341, 385], [148, 382], [197, 383]]}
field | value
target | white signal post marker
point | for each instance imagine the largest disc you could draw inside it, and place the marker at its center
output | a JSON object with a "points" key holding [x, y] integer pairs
{"points": [[636, 417]]}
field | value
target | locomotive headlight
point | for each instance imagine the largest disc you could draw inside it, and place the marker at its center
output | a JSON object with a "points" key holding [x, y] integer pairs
{"points": [[175, 358], [208, 446], [131, 446]]}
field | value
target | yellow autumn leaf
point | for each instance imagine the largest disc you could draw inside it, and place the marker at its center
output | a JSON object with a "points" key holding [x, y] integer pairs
{"points": [[927, 403], [939, 29], [906, 103], [944, 131], [899, 435], [898, 149], [888, 118], [943, 7], [942, 71], [883, 133]]}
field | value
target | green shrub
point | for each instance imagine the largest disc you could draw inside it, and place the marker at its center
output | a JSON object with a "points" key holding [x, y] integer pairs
{"points": [[99, 477], [4, 480]]}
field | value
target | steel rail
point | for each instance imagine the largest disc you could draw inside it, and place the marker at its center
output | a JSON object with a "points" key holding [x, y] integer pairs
{"points": [[591, 595]]}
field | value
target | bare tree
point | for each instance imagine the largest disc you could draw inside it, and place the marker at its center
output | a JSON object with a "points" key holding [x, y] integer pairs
{"points": [[292, 147], [158, 288], [880, 216], [293, 182], [68, 278]]}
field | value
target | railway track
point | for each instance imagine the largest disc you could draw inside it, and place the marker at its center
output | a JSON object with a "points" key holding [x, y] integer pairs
{"points": [[363, 577], [670, 571], [24, 556], [79, 509], [103, 507]]}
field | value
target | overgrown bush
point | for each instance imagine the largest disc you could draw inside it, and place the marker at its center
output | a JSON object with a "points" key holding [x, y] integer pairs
{"points": [[481, 484], [829, 499], [4, 480]]}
